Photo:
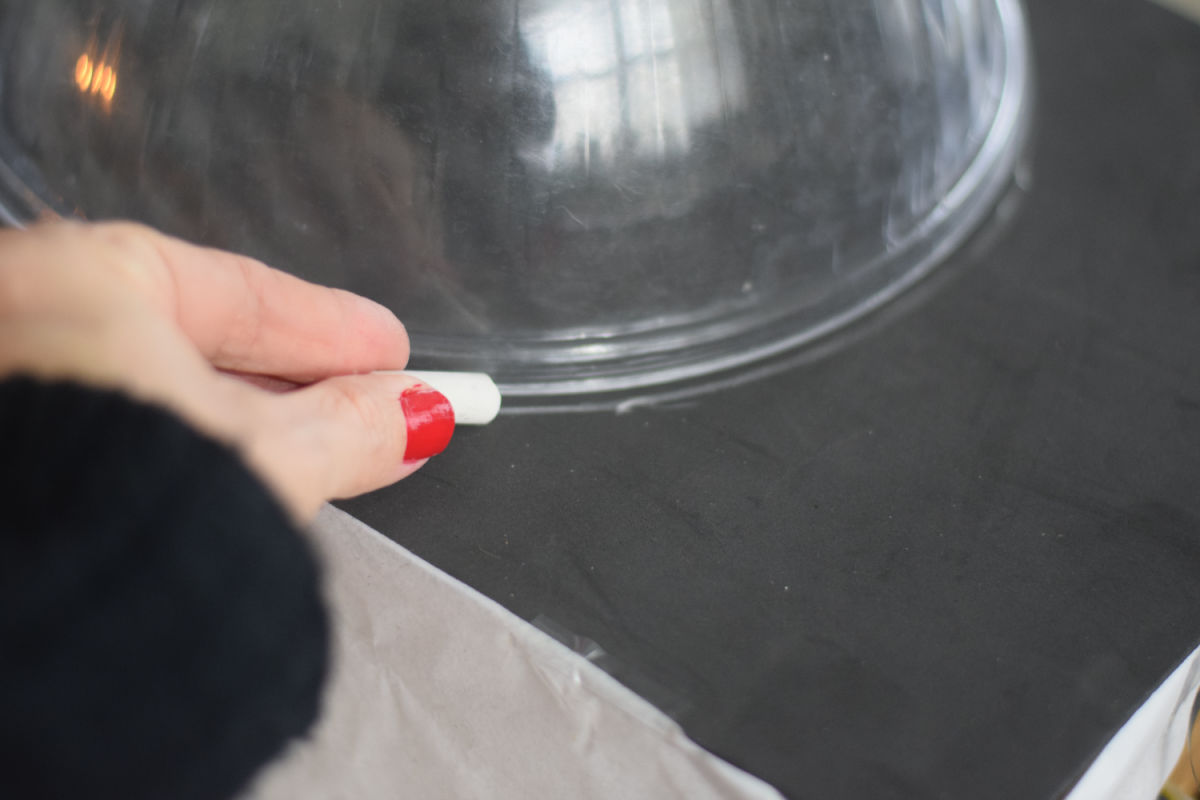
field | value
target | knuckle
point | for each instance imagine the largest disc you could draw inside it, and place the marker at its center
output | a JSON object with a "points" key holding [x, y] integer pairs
{"points": [[131, 239], [130, 253], [245, 328]]}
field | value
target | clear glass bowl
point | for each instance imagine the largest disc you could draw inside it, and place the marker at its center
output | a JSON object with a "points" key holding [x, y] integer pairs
{"points": [[575, 195]]}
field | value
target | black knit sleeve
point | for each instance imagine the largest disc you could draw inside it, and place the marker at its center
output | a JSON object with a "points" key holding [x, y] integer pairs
{"points": [[162, 633]]}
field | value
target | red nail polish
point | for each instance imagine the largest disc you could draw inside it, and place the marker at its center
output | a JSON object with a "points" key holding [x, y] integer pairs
{"points": [[430, 422]]}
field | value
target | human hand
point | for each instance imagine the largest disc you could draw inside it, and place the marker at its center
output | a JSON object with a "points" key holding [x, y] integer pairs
{"points": [[215, 337]]}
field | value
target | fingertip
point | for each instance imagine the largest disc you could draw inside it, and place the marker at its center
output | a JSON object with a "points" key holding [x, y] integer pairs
{"points": [[407, 468], [380, 332], [363, 432], [428, 422], [385, 314]]}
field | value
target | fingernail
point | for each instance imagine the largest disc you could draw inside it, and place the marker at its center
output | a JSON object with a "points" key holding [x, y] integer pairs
{"points": [[429, 418]]}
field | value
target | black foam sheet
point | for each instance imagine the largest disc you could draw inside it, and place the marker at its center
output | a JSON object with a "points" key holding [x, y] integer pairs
{"points": [[952, 554]]}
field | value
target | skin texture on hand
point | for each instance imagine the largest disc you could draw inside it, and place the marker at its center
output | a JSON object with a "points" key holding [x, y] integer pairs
{"points": [[219, 339]]}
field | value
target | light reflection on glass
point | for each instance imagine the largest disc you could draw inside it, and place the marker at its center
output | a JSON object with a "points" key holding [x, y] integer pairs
{"points": [[95, 78], [108, 87], [83, 72], [635, 77]]}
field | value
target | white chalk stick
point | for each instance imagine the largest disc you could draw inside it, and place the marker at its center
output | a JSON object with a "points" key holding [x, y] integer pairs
{"points": [[473, 396]]}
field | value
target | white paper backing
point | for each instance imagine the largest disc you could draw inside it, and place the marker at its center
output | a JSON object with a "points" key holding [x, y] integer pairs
{"points": [[439, 692]]}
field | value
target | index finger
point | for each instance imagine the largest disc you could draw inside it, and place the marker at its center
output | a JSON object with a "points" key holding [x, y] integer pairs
{"points": [[246, 317]]}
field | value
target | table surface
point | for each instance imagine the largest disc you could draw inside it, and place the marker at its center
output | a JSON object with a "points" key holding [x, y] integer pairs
{"points": [[950, 553]]}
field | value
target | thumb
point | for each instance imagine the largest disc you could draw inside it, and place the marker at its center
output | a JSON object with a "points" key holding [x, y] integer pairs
{"points": [[348, 435]]}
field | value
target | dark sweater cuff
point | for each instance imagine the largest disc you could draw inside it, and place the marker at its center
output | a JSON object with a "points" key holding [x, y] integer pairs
{"points": [[161, 627]]}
